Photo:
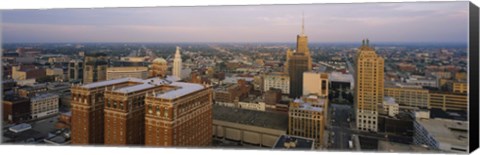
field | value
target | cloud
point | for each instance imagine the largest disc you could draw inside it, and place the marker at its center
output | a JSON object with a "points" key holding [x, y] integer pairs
{"points": [[427, 22]]}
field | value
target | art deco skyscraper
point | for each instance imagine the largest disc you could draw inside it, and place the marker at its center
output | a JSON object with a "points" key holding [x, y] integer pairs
{"points": [[177, 64], [298, 62], [369, 87]]}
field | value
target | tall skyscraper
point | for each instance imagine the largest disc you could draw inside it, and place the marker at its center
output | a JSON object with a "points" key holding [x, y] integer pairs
{"points": [[298, 62], [369, 87], [95, 68], [177, 64]]}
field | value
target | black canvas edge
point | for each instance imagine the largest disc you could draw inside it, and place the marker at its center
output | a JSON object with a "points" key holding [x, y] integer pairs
{"points": [[473, 47]]}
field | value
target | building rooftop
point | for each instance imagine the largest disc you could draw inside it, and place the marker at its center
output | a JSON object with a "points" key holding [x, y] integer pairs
{"points": [[20, 128], [313, 104], [389, 100], [235, 79], [448, 131], [43, 96], [386, 146], [264, 119], [294, 142], [182, 89], [111, 82], [127, 69], [340, 77]]}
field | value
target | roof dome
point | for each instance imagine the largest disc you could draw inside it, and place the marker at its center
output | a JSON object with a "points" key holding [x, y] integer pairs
{"points": [[160, 60]]}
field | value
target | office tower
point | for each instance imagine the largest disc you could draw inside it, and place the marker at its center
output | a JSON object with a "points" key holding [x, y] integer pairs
{"points": [[177, 64], [95, 67], [315, 83], [307, 117], [277, 80], [159, 68], [298, 61], [180, 116], [75, 70], [123, 72], [369, 87]]}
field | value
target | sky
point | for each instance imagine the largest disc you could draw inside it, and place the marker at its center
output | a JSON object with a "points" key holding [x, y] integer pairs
{"points": [[380, 22]]}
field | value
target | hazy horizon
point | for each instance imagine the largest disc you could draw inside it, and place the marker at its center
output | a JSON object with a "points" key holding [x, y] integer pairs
{"points": [[419, 22]]}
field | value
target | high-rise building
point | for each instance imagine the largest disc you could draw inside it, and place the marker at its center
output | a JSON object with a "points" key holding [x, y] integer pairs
{"points": [[177, 64], [95, 68], [87, 106], [315, 83], [180, 115], [113, 112], [298, 61], [123, 72], [125, 111], [369, 69], [159, 68], [307, 117], [75, 70], [278, 81]]}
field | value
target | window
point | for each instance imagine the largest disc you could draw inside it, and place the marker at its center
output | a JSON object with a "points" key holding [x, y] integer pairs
{"points": [[150, 109]]}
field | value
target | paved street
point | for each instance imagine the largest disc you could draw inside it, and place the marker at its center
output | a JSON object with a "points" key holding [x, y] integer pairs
{"points": [[339, 127]]}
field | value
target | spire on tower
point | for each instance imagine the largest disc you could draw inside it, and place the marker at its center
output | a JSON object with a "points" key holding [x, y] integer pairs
{"points": [[303, 23]]}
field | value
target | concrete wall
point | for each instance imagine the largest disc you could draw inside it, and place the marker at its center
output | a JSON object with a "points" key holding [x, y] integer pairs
{"points": [[246, 133]]}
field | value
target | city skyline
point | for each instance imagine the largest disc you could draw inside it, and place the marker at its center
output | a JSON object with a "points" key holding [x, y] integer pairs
{"points": [[385, 22]]}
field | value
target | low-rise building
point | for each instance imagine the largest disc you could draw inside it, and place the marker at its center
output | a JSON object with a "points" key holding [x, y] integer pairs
{"points": [[410, 97], [43, 105], [294, 143], [248, 126], [340, 80], [390, 107], [123, 72], [448, 101], [277, 80], [460, 87], [15, 109], [442, 134]]}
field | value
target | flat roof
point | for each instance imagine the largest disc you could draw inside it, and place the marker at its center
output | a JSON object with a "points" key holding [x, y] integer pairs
{"points": [[340, 77], [386, 146], [127, 69], [301, 143], [45, 95], [273, 120], [20, 127], [447, 131], [111, 82], [182, 90]]}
